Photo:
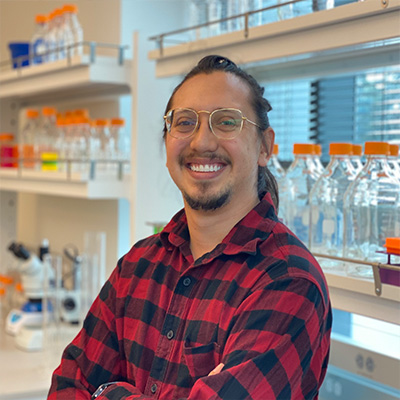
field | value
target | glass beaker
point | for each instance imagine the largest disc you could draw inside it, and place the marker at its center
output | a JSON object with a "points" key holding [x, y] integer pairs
{"points": [[93, 271]]}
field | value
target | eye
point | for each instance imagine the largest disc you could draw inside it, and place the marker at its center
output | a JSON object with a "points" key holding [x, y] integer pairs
{"points": [[184, 121], [226, 120]]}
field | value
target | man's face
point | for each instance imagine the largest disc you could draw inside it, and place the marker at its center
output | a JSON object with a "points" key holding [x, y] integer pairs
{"points": [[212, 172]]}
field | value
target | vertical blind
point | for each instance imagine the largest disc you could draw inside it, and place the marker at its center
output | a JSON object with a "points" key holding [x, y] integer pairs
{"points": [[355, 108]]}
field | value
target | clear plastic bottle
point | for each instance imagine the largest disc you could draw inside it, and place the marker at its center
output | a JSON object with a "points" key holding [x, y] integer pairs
{"points": [[28, 139], [84, 136], [214, 14], [38, 45], [326, 200], [300, 178], [275, 166], [302, 7], [255, 19], [393, 159], [48, 138], [372, 209], [60, 142], [121, 142], [51, 38], [356, 157], [198, 15], [59, 33], [74, 28], [101, 140], [234, 8], [317, 158]]}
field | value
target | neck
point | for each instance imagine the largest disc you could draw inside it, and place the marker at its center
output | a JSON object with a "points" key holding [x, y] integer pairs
{"points": [[207, 229]]}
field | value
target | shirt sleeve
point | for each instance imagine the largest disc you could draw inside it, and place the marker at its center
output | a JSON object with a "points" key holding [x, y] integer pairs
{"points": [[277, 348], [93, 357]]}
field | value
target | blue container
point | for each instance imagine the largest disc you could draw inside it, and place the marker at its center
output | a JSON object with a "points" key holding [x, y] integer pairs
{"points": [[19, 53]]}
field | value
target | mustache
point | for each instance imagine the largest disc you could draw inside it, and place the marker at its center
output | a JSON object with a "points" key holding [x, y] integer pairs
{"points": [[182, 159]]}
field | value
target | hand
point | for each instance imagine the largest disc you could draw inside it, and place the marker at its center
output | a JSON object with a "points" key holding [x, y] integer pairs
{"points": [[217, 369]]}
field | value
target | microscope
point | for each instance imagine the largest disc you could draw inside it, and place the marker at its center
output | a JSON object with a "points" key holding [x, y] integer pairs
{"points": [[26, 324]]}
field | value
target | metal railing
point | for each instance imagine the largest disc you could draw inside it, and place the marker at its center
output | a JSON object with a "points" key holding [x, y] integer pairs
{"points": [[376, 266], [17, 63], [243, 17]]}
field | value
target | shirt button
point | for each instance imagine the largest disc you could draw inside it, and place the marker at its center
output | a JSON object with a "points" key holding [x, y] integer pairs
{"points": [[153, 388], [187, 282], [170, 334]]}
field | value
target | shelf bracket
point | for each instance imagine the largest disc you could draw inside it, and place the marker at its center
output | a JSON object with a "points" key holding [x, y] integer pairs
{"points": [[377, 280]]}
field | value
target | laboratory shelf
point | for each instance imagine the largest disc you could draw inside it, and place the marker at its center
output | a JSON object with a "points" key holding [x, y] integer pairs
{"points": [[79, 185], [74, 77], [357, 295], [339, 35]]}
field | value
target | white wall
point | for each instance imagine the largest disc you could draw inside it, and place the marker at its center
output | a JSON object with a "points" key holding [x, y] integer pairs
{"points": [[157, 198]]}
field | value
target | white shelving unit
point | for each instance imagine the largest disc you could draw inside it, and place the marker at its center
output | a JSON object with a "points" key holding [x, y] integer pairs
{"points": [[357, 295], [62, 184], [74, 78], [300, 42], [79, 75], [338, 40]]}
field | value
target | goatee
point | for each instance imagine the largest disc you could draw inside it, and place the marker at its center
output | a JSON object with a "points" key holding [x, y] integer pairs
{"points": [[206, 202]]}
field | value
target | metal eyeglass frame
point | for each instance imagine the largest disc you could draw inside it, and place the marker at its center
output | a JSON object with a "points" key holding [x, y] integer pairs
{"points": [[211, 113]]}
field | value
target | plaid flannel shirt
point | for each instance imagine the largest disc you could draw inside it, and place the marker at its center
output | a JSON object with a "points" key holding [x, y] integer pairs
{"points": [[258, 303]]}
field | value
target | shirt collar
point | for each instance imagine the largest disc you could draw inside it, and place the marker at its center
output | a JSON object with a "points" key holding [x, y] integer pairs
{"points": [[243, 237]]}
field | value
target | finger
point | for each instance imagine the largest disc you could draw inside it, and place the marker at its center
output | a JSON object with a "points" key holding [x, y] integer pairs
{"points": [[217, 369]]}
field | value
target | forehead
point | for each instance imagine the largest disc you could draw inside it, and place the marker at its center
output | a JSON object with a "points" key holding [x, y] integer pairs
{"points": [[210, 91]]}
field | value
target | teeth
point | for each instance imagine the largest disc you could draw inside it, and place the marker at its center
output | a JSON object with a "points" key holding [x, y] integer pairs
{"points": [[205, 168]]}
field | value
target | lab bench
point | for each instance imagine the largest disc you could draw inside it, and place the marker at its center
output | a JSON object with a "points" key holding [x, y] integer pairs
{"points": [[26, 375]]}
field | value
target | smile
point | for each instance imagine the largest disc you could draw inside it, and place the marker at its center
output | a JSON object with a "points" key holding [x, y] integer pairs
{"points": [[205, 167]]}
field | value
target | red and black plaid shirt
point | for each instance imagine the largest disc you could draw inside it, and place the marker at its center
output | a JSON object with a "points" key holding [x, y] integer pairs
{"points": [[257, 303]]}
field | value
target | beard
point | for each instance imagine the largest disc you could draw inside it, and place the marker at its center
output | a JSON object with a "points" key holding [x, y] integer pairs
{"points": [[207, 202]]}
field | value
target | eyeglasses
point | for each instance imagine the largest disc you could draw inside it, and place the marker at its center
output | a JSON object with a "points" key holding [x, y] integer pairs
{"points": [[224, 123]]}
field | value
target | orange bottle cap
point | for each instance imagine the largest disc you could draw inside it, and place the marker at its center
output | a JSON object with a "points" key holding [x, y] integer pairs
{"points": [[376, 148], [118, 121], [303, 148], [41, 19], [19, 287], [100, 122], [80, 119], [357, 149], [57, 12], [70, 8], [61, 121], [276, 149], [392, 245], [82, 112], [318, 149], [394, 150], [31, 113], [2, 292], [6, 137], [340, 148], [48, 111], [6, 280]]}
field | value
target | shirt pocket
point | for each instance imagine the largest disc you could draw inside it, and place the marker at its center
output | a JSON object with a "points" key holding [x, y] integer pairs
{"points": [[201, 360]]}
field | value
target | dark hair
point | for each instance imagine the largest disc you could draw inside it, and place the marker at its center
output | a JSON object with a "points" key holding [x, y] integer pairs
{"points": [[209, 64]]}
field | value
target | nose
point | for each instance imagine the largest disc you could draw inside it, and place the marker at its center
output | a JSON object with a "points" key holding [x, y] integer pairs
{"points": [[203, 139]]}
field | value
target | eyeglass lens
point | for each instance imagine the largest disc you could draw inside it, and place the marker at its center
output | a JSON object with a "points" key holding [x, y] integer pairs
{"points": [[224, 122]]}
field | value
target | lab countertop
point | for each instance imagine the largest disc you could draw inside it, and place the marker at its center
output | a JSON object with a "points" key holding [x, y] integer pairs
{"points": [[26, 375]]}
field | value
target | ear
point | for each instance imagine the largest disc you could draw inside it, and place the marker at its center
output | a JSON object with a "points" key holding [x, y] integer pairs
{"points": [[267, 146]]}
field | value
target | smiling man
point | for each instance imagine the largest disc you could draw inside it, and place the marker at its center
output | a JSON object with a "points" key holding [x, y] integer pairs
{"points": [[224, 303]]}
